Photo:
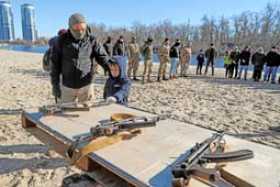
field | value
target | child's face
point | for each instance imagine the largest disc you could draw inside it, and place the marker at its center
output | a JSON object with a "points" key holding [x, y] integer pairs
{"points": [[115, 70]]}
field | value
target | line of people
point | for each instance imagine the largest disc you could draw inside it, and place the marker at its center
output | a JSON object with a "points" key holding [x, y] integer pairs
{"points": [[176, 55], [236, 63]]}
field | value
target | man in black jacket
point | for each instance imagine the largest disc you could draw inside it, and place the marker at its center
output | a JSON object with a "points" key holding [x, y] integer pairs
{"points": [[119, 47], [234, 55], [244, 57], [258, 60], [210, 54], [272, 63], [174, 57], [73, 62], [108, 46]]}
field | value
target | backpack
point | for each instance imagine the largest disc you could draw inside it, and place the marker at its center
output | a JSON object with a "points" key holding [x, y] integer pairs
{"points": [[47, 63]]}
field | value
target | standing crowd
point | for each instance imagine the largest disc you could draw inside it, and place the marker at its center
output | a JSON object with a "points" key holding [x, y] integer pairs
{"points": [[72, 56], [175, 55], [237, 64]]}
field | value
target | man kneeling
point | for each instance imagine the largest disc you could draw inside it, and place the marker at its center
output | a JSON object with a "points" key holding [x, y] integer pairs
{"points": [[117, 85]]}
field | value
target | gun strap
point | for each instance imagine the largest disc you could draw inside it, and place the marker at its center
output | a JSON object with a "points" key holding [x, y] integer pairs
{"points": [[229, 156]]}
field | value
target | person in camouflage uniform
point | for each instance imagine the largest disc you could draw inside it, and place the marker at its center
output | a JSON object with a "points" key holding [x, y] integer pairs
{"points": [[147, 51], [133, 58], [185, 57], [164, 59]]}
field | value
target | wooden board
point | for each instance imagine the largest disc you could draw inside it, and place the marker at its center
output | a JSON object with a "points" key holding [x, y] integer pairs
{"points": [[146, 160]]}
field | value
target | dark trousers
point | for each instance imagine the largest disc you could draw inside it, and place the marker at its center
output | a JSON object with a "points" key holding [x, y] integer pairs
{"points": [[235, 69], [199, 68], [257, 74], [229, 70], [210, 62]]}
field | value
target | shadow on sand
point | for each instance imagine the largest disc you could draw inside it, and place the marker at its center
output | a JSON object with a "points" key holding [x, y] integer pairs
{"points": [[33, 72], [8, 165], [23, 148], [10, 111]]}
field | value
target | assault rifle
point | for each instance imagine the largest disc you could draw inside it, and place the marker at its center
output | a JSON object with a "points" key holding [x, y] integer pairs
{"points": [[106, 133], [61, 109], [210, 150]]}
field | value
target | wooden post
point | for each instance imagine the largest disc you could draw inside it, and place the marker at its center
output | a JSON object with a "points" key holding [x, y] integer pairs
{"points": [[26, 123]]}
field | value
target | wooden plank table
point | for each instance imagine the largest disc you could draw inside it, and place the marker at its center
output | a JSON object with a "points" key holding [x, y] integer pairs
{"points": [[146, 159]]}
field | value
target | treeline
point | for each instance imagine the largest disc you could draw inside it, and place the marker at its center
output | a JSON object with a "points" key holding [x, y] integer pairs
{"points": [[249, 28]]}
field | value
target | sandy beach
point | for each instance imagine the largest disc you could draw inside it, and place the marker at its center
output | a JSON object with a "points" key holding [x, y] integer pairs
{"points": [[245, 109]]}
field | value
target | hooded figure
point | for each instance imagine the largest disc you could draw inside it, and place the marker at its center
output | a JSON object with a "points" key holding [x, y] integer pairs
{"points": [[117, 85]]}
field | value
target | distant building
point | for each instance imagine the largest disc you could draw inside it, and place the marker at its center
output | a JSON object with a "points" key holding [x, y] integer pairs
{"points": [[7, 32], [29, 31]]}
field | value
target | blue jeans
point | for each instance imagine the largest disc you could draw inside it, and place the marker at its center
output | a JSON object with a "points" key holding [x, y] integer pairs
{"points": [[241, 68], [173, 68], [270, 71]]}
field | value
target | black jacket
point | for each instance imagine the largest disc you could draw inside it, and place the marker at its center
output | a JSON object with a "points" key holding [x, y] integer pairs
{"points": [[272, 59], [108, 48], [119, 49], [235, 55], [211, 54], [258, 59], [118, 87], [200, 58], [245, 58], [73, 60], [174, 51]]}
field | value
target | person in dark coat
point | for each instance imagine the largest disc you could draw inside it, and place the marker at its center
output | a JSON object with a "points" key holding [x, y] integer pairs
{"points": [[211, 55], [119, 47], [258, 60], [47, 58], [117, 86], [200, 61], [272, 64], [234, 55], [73, 60], [175, 58], [244, 57], [108, 46]]}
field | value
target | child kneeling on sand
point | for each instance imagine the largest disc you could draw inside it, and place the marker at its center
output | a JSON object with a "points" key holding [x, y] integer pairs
{"points": [[117, 86]]}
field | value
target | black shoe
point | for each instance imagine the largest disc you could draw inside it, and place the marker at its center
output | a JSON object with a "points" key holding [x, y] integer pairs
{"points": [[165, 79], [158, 79], [135, 79]]}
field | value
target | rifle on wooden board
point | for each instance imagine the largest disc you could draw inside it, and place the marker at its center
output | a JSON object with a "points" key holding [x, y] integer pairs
{"points": [[63, 108], [108, 132], [210, 150]]}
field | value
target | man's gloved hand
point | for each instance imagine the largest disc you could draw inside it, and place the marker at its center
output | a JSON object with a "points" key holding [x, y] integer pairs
{"points": [[56, 91], [111, 100]]}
